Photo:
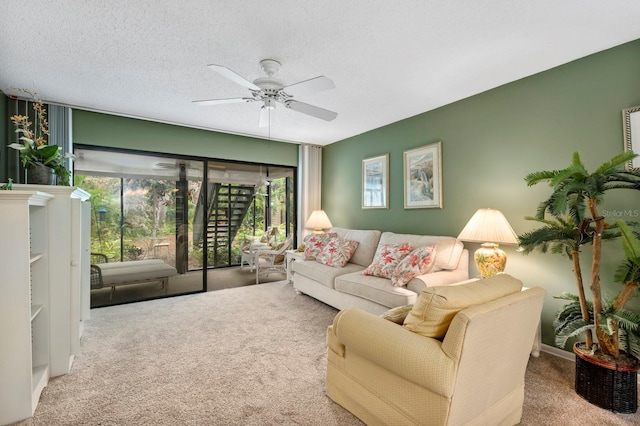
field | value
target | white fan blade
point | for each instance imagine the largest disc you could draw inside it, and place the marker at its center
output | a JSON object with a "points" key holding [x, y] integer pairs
{"points": [[266, 116], [323, 114], [231, 75], [309, 86], [224, 101]]}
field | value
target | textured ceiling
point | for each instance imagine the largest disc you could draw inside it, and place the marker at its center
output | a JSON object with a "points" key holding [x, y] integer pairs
{"points": [[389, 59]]}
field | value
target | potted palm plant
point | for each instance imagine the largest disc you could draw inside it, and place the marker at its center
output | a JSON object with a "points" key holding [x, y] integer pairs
{"points": [[607, 365]]}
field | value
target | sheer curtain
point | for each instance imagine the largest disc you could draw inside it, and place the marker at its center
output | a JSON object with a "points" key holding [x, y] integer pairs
{"points": [[310, 178]]}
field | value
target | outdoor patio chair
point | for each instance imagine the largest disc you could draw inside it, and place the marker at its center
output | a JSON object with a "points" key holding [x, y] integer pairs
{"points": [[249, 254], [271, 260]]}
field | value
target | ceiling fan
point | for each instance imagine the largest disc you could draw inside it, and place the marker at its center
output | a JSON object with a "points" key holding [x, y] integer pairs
{"points": [[270, 90]]}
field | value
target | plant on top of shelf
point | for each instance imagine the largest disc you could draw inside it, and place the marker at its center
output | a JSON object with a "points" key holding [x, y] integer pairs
{"points": [[33, 146], [570, 219]]}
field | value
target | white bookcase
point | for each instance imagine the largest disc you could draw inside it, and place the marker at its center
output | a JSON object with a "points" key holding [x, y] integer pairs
{"points": [[69, 271], [24, 302]]}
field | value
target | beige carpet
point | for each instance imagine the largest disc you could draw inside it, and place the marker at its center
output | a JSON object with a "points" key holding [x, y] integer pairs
{"points": [[243, 356]]}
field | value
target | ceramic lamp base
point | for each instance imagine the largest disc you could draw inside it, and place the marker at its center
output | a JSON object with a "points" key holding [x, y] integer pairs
{"points": [[490, 260]]}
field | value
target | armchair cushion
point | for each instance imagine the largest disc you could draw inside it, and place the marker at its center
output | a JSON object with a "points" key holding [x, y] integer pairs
{"points": [[436, 306], [397, 314]]}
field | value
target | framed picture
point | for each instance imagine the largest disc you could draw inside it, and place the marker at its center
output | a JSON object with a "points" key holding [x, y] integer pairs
{"points": [[631, 123], [375, 182], [423, 177]]}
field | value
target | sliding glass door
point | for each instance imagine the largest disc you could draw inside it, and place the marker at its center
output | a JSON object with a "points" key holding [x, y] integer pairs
{"points": [[185, 213]]}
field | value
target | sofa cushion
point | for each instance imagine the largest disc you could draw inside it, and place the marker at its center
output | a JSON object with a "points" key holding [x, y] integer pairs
{"points": [[368, 240], [323, 274], [387, 257], [418, 262], [314, 243], [449, 249], [436, 306], [375, 289]]}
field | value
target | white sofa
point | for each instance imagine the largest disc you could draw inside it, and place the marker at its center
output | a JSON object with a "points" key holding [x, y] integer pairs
{"points": [[347, 287]]}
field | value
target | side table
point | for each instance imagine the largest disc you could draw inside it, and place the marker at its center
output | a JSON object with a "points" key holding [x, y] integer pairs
{"points": [[290, 257]]}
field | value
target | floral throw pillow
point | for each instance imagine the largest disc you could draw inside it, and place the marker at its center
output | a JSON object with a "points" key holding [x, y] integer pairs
{"points": [[418, 262], [314, 243], [337, 252], [387, 257]]}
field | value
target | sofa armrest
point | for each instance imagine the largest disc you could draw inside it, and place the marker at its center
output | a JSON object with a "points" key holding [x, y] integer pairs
{"points": [[413, 357]]}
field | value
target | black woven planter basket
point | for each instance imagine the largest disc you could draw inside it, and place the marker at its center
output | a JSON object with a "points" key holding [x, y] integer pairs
{"points": [[606, 387]]}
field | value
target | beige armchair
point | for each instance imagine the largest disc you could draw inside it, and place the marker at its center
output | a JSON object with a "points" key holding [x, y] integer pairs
{"points": [[385, 374]]}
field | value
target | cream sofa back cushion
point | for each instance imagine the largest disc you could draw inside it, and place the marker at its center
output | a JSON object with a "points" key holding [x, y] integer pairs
{"points": [[435, 308], [448, 249], [368, 242]]}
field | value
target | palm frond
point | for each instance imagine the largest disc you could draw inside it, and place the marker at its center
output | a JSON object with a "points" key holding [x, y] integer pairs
{"points": [[569, 314], [575, 329], [537, 177], [550, 236], [617, 161], [627, 271], [557, 202], [627, 320], [573, 172], [630, 242], [575, 158], [630, 342], [541, 210], [567, 296], [621, 185]]}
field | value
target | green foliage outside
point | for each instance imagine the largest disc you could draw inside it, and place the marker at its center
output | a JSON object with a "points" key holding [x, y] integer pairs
{"points": [[149, 213], [150, 217]]}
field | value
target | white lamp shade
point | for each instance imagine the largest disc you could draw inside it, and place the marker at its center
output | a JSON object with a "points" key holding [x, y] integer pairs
{"points": [[318, 220], [488, 226]]}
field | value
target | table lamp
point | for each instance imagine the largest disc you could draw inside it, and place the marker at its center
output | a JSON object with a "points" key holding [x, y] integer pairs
{"points": [[318, 221], [490, 228]]}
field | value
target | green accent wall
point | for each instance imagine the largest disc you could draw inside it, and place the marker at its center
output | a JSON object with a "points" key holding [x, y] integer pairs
{"points": [[490, 142], [92, 128], [4, 137]]}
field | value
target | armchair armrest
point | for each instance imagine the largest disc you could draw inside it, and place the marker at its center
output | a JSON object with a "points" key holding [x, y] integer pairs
{"points": [[413, 357]]}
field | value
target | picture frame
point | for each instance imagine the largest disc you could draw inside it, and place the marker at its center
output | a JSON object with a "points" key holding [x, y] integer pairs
{"points": [[423, 177], [631, 125], [375, 182]]}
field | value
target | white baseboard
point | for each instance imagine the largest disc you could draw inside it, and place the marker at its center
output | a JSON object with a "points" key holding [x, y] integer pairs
{"points": [[552, 350]]}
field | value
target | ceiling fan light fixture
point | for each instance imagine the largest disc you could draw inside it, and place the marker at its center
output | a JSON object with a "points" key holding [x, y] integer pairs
{"points": [[269, 104], [270, 90]]}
